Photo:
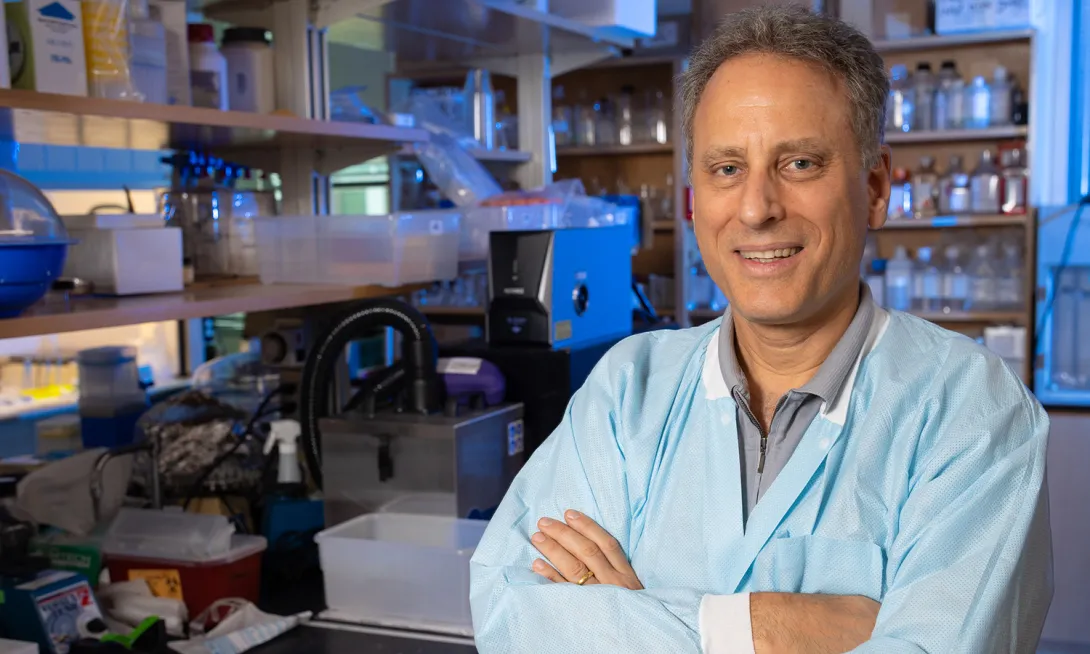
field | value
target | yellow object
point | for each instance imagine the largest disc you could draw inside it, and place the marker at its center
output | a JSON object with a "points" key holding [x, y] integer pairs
{"points": [[106, 41], [163, 583], [48, 392], [582, 580]]}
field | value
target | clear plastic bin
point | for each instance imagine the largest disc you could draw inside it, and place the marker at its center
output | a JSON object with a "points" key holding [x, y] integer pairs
{"points": [[479, 221], [398, 570], [148, 533], [390, 250]]}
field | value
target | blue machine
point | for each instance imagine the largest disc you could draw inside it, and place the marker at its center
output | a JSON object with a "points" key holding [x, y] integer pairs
{"points": [[1062, 355], [52, 608], [560, 288]]}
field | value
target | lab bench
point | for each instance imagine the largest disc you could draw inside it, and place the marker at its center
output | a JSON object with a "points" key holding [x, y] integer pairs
{"points": [[327, 638]]}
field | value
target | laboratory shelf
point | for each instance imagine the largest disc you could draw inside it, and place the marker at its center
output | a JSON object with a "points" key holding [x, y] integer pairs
{"points": [[958, 221], [58, 314], [704, 315], [938, 42], [453, 312], [500, 156], [1004, 317], [613, 150], [69, 120], [426, 33], [958, 135]]}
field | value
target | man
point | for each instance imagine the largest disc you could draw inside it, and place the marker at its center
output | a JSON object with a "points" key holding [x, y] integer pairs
{"points": [[810, 474]]}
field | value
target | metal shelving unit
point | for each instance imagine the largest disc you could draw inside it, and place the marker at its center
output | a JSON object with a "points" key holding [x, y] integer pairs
{"points": [[958, 135], [967, 221]]}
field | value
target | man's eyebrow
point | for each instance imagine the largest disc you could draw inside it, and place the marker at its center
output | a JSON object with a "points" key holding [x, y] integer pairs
{"points": [[717, 153], [801, 145]]}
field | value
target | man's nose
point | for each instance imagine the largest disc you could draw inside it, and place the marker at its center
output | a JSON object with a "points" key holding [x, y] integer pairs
{"points": [[760, 201]]}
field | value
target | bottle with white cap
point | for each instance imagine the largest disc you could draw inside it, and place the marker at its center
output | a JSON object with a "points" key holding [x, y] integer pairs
{"points": [[284, 435]]}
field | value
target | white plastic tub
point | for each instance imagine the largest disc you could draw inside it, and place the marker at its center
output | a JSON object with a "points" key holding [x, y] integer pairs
{"points": [[399, 570], [480, 221], [390, 250]]}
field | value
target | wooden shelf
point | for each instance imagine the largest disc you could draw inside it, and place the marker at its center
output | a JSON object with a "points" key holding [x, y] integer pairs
{"points": [[958, 135], [455, 312], [501, 156], [663, 225], [1012, 317], [52, 118], [635, 61], [55, 314], [951, 41], [704, 315], [613, 150], [959, 221]]}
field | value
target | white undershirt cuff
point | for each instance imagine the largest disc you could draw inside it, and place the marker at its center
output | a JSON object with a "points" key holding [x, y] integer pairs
{"points": [[725, 625]]}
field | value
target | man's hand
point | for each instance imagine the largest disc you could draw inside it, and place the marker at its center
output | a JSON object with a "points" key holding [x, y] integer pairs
{"points": [[580, 546], [786, 623]]}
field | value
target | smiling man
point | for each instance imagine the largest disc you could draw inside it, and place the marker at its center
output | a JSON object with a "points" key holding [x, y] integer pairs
{"points": [[810, 474]]}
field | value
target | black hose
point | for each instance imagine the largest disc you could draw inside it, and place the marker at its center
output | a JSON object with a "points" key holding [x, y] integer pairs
{"points": [[424, 392]]}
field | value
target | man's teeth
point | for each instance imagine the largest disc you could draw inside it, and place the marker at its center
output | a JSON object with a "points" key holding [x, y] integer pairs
{"points": [[766, 256]]}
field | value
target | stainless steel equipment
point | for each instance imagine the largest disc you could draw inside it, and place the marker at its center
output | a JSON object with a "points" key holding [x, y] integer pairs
{"points": [[409, 463]]}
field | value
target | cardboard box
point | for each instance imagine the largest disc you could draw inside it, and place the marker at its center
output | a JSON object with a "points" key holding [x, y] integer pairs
{"points": [[956, 16], [45, 46]]}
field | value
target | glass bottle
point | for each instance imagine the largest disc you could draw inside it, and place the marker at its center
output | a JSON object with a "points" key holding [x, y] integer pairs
{"points": [[586, 122], [899, 108], [899, 280], [562, 118], [1014, 182], [984, 185], [1001, 98], [1010, 282], [978, 104], [925, 189], [1065, 329], [949, 103], [658, 125], [946, 184], [625, 116], [925, 98], [900, 195], [955, 282], [960, 194], [926, 282], [605, 132], [983, 294], [1019, 104]]}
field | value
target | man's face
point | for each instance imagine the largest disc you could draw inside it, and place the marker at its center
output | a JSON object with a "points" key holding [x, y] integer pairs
{"points": [[781, 200]]}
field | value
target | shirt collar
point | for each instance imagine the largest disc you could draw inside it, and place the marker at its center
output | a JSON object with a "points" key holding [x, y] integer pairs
{"points": [[833, 372]]}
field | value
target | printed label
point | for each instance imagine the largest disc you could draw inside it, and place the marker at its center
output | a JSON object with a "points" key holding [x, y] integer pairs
{"points": [[163, 583], [459, 366], [206, 88]]}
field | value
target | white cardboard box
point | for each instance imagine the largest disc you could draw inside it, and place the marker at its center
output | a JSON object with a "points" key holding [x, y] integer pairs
{"points": [[127, 261], [45, 46], [954, 16]]}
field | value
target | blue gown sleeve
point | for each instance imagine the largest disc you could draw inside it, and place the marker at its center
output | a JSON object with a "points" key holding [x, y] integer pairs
{"points": [[581, 466], [970, 567]]}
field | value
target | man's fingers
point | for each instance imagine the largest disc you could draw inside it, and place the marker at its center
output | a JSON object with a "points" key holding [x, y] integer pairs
{"points": [[582, 548], [564, 561], [549, 572], [608, 545]]}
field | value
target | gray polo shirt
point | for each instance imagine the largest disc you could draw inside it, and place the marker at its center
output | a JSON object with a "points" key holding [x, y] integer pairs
{"points": [[795, 410]]}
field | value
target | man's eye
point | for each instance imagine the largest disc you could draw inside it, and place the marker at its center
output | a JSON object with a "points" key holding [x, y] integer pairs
{"points": [[728, 170], [802, 164]]}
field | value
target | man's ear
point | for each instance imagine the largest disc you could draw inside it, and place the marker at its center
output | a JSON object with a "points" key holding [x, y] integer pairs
{"points": [[878, 187]]}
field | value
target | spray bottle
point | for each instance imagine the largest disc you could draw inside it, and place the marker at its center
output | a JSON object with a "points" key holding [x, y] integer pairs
{"points": [[284, 435]]}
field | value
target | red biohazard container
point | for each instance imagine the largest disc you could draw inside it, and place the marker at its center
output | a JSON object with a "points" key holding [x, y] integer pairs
{"points": [[198, 583]]}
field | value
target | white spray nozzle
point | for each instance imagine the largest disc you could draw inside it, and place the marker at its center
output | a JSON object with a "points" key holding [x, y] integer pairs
{"points": [[284, 434]]}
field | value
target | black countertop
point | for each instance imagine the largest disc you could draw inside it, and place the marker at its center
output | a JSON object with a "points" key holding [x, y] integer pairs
{"points": [[316, 639]]}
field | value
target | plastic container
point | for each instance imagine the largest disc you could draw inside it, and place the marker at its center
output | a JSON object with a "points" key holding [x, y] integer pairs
{"points": [[899, 281], [207, 68], [480, 221], [148, 48], [389, 250], [111, 400], [199, 582], [154, 534], [33, 244], [398, 570], [249, 55], [106, 42]]}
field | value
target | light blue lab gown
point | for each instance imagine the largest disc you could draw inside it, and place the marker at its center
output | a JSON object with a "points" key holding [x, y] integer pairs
{"points": [[920, 487]]}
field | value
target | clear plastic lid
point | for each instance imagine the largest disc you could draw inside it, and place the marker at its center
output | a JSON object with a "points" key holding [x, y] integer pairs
{"points": [[26, 215]]}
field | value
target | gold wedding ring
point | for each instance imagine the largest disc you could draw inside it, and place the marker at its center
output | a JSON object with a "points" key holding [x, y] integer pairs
{"points": [[585, 578]]}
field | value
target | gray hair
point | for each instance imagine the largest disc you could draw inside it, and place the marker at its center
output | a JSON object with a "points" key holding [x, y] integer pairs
{"points": [[797, 33]]}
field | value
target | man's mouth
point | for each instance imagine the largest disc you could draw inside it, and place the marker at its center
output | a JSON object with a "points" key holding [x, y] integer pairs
{"points": [[768, 256]]}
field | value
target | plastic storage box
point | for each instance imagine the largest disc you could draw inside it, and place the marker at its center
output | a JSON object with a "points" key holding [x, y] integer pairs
{"points": [[197, 581], [480, 221], [398, 570], [388, 250]]}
